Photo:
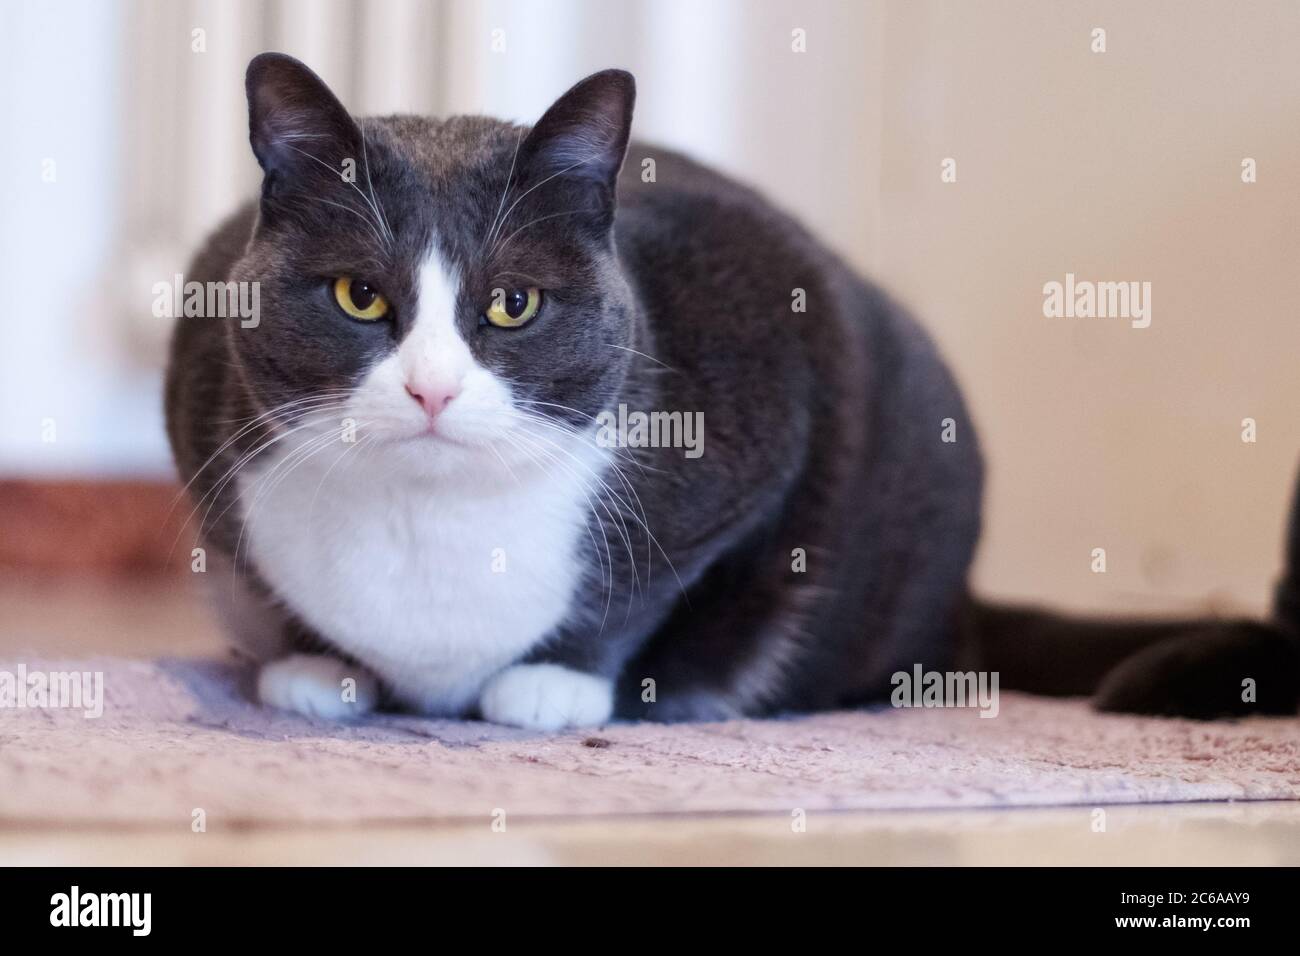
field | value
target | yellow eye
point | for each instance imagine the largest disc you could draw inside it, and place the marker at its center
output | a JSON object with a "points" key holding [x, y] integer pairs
{"points": [[511, 309], [359, 299]]}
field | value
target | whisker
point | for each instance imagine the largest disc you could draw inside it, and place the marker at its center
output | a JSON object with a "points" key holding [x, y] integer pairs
{"points": [[250, 423], [504, 192], [374, 200], [267, 419], [342, 180], [615, 516], [642, 354], [587, 494], [242, 462], [500, 247], [356, 212], [538, 185], [645, 526], [267, 484]]}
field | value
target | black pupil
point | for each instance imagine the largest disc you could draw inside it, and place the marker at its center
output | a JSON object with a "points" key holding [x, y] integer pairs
{"points": [[516, 303], [363, 296]]}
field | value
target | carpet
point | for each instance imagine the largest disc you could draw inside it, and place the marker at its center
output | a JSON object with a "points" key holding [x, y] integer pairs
{"points": [[181, 735]]}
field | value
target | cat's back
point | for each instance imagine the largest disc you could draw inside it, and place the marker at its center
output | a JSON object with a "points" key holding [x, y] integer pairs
{"points": [[662, 192], [700, 245], [764, 325]]}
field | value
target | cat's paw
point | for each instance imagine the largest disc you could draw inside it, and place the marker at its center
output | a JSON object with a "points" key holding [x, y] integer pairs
{"points": [[546, 697], [314, 685]]}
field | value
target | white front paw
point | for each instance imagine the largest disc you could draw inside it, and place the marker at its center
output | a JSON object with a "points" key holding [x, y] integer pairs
{"points": [[317, 685], [546, 697]]}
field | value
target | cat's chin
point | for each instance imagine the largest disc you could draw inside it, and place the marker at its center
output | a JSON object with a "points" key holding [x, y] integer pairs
{"points": [[425, 437], [435, 439], [433, 454]]}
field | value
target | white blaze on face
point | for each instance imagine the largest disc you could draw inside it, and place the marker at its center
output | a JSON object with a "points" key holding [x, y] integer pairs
{"points": [[433, 375]]}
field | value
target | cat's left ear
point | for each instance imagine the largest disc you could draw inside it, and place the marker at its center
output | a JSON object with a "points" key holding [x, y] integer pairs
{"points": [[300, 132], [582, 139]]}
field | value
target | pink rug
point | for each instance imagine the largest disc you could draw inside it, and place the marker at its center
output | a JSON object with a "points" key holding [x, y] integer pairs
{"points": [[179, 735]]}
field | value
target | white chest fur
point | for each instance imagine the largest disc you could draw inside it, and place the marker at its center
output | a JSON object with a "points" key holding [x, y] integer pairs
{"points": [[435, 585]]}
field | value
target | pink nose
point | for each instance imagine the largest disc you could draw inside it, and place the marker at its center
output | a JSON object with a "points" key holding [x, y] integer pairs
{"points": [[432, 399]]}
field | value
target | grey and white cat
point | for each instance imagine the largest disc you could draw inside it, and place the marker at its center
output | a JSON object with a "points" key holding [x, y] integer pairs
{"points": [[401, 480]]}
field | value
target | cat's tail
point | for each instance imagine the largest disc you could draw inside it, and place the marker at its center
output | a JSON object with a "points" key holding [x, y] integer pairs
{"points": [[1194, 668], [1191, 668], [1286, 606]]}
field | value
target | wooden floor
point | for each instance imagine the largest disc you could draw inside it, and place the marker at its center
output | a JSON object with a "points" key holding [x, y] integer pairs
{"points": [[1260, 834], [144, 619]]}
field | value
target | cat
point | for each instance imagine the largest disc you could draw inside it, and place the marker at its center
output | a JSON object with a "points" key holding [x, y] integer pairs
{"points": [[410, 493]]}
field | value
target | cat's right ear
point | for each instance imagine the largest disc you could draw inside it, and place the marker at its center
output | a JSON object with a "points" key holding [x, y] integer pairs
{"points": [[298, 129], [580, 142]]}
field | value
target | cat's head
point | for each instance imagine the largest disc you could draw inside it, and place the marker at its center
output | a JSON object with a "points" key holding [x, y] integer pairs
{"points": [[445, 284]]}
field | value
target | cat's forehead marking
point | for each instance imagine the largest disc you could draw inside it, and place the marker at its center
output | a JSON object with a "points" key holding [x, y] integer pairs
{"points": [[433, 351], [445, 182], [442, 149]]}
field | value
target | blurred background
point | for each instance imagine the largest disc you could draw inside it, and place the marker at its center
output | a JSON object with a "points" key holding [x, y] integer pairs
{"points": [[126, 142]]}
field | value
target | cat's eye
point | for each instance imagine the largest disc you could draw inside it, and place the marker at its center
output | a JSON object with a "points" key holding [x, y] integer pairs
{"points": [[359, 299], [511, 309]]}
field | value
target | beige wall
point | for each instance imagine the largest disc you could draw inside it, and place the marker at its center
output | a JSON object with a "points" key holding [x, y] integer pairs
{"points": [[1123, 165]]}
